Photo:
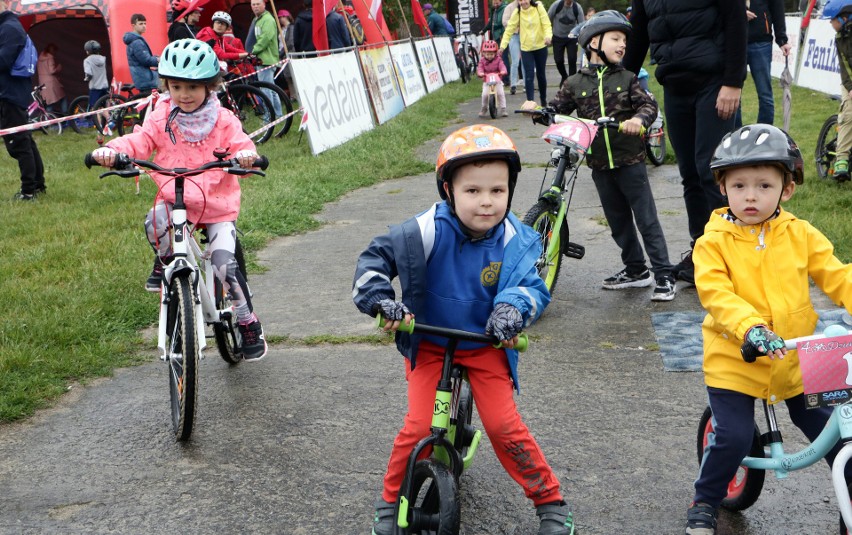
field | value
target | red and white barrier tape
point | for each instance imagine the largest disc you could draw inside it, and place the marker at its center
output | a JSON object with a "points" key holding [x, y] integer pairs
{"points": [[282, 63], [267, 126], [40, 124]]}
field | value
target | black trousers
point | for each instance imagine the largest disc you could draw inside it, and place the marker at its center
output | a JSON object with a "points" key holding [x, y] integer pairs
{"points": [[560, 46], [22, 147]]}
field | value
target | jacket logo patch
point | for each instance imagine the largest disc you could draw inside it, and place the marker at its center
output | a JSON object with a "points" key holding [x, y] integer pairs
{"points": [[491, 274]]}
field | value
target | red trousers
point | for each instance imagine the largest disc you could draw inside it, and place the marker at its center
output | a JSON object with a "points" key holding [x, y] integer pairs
{"points": [[491, 384]]}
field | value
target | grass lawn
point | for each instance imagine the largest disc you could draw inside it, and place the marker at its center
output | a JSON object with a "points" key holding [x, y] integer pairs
{"points": [[74, 262]]}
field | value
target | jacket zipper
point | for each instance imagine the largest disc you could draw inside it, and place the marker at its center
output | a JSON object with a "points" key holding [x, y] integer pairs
{"points": [[603, 114]]}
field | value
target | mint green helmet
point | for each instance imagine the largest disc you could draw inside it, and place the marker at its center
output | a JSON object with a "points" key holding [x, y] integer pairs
{"points": [[190, 60]]}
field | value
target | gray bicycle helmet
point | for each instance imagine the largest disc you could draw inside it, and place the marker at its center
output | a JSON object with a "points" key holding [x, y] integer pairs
{"points": [[222, 16], [758, 144], [189, 60], [602, 22], [92, 47]]}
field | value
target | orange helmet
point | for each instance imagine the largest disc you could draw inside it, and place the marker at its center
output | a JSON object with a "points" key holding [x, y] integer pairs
{"points": [[476, 142], [490, 46]]}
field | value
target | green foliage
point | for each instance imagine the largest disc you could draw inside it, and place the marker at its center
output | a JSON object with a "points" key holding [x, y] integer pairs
{"points": [[74, 261]]}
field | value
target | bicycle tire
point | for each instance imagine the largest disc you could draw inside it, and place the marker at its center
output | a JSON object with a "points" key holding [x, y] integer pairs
{"points": [[52, 129], [131, 117], [434, 507], [80, 105], [826, 148], [252, 107], [655, 146], [474, 60], [492, 106], [116, 116], [746, 486], [286, 105], [542, 218], [464, 420], [182, 355], [462, 69]]}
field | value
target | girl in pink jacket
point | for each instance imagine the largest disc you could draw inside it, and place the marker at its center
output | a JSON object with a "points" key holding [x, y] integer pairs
{"points": [[184, 129], [491, 63]]}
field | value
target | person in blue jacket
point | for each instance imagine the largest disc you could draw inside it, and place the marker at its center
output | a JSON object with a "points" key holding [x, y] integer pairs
{"points": [[466, 263], [14, 99], [139, 56]]}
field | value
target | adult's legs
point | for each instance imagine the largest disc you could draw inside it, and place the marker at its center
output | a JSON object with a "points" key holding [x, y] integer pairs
{"points": [[694, 146], [515, 53], [571, 48], [528, 63], [22, 147], [507, 62], [540, 57], [844, 125], [560, 45], [269, 76], [760, 65]]}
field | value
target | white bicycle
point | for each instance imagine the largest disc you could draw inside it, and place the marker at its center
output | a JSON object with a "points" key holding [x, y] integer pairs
{"points": [[191, 296]]}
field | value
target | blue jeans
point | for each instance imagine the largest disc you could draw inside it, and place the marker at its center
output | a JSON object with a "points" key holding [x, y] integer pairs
{"points": [[514, 65], [760, 64], [694, 130], [269, 76], [534, 63]]}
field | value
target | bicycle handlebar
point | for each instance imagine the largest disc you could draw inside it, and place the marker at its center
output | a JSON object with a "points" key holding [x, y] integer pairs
{"points": [[791, 343], [126, 166], [455, 334]]}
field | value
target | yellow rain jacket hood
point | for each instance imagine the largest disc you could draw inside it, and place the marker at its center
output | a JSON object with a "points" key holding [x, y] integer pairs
{"points": [[758, 275]]}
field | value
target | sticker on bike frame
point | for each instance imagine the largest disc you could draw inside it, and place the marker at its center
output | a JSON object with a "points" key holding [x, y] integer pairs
{"points": [[576, 133], [826, 366]]}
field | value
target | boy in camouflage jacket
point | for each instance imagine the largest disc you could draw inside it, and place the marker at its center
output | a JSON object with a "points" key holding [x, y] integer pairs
{"points": [[617, 158]]}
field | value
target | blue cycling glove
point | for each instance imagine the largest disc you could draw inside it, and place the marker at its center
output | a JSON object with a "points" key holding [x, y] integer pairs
{"points": [[504, 322], [759, 340], [391, 310]]}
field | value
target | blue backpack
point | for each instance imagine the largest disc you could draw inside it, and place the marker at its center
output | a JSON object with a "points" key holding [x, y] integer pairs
{"points": [[25, 63], [450, 29]]}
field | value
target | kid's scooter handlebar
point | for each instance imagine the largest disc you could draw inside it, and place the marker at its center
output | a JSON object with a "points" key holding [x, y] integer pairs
{"points": [[422, 328]]}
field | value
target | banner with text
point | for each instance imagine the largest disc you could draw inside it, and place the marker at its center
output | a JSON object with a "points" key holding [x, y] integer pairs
{"points": [[468, 16], [429, 64], [407, 72], [382, 83], [447, 58], [819, 69], [331, 90]]}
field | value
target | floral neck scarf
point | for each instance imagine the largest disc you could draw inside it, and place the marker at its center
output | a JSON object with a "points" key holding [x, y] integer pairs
{"points": [[194, 126]]}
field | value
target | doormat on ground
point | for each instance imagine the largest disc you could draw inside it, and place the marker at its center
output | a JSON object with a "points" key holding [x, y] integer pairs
{"points": [[679, 336]]}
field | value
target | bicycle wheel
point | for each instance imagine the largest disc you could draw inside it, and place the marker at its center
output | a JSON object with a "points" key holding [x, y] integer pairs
{"points": [[286, 105], [492, 106], [464, 419], [132, 116], [182, 353], [655, 145], [542, 218], [744, 489], [114, 118], [462, 69], [252, 107], [52, 129], [473, 62], [826, 148], [434, 507], [80, 105]]}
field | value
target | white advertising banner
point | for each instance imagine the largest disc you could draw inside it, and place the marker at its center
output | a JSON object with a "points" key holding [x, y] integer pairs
{"points": [[382, 83], [429, 64], [331, 90], [794, 25], [819, 69], [408, 72], [446, 58]]}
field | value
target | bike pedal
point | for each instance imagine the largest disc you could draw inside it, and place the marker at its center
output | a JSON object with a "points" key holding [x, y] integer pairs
{"points": [[573, 250]]}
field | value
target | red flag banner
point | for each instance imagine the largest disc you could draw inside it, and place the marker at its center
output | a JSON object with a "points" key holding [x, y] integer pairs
{"points": [[419, 19], [372, 20], [321, 9]]}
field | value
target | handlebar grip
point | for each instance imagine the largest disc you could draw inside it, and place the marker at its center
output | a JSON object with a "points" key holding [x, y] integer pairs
{"points": [[750, 353], [89, 160], [262, 162]]}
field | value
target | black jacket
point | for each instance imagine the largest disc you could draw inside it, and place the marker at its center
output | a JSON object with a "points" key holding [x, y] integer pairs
{"points": [[181, 30], [303, 28], [694, 42], [13, 89], [770, 16]]}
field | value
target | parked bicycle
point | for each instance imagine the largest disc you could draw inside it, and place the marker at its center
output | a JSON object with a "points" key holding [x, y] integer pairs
{"points": [[467, 57], [655, 140], [248, 65], [191, 295], [548, 216], [767, 450], [826, 148], [121, 120], [428, 501], [37, 112]]}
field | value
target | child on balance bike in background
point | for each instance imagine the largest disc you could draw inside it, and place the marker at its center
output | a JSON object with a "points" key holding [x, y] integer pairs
{"points": [[466, 263]]}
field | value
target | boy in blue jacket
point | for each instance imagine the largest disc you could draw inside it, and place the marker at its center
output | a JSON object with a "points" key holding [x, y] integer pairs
{"points": [[466, 263]]}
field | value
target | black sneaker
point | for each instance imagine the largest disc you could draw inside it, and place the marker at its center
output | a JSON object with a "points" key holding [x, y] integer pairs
{"points": [[254, 344], [383, 521], [700, 520], [555, 519], [623, 279], [155, 279], [685, 269], [513, 90], [21, 196], [665, 289]]}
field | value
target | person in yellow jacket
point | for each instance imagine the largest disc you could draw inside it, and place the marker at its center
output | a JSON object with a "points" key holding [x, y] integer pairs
{"points": [[536, 32], [751, 271]]}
